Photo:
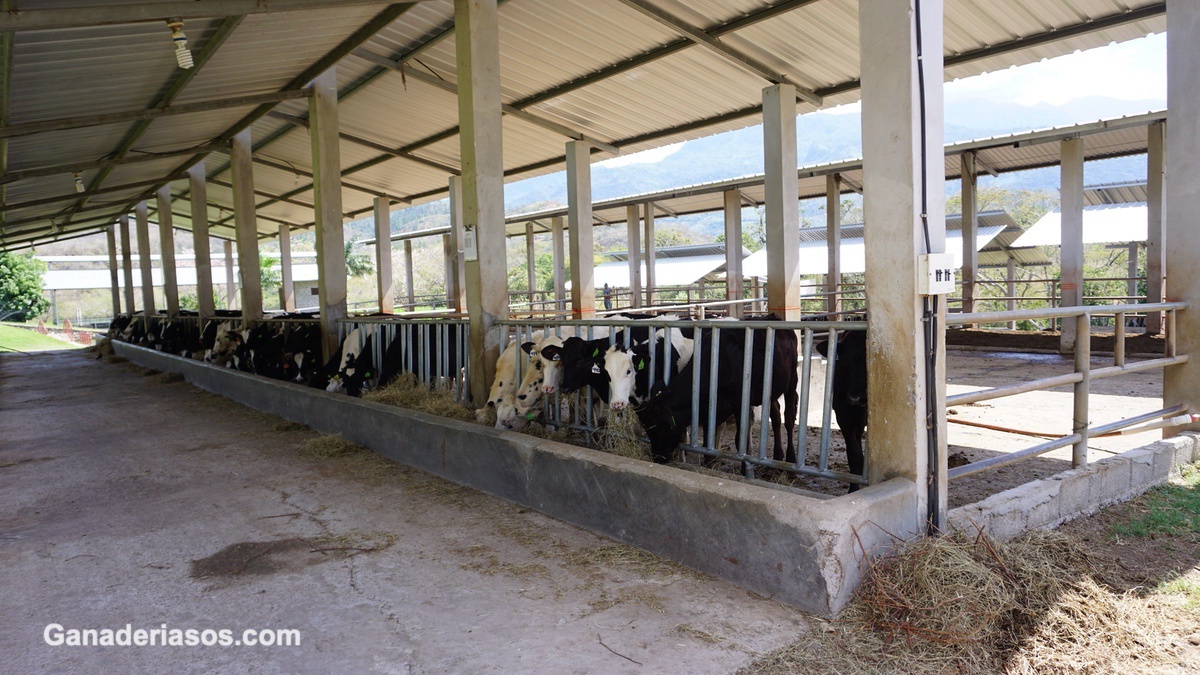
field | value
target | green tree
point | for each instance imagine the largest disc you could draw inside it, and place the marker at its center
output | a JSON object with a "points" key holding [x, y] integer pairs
{"points": [[268, 272], [21, 286], [357, 264]]}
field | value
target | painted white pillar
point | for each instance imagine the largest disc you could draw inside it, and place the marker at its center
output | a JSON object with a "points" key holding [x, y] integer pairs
{"points": [[198, 191], [143, 245], [327, 207], [898, 160], [126, 263], [231, 295], [386, 286], [287, 286], [410, 297], [833, 241], [733, 251], [1071, 208], [247, 227], [457, 288], [782, 201], [579, 221], [1011, 290], [1155, 254], [110, 235], [1131, 269], [633, 241], [477, 44], [166, 244], [559, 254], [1181, 384], [530, 271], [970, 230], [649, 281]]}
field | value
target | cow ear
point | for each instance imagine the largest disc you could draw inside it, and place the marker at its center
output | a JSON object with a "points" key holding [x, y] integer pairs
{"points": [[528, 348], [552, 352], [823, 347], [639, 362]]}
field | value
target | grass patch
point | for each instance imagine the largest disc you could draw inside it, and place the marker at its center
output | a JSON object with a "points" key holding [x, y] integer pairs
{"points": [[326, 446], [13, 339], [964, 604], [1184, 589], [1172, 509]]}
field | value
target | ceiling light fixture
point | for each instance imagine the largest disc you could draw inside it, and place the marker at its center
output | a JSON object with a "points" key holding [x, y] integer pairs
{"points": [[183, 55], [79, 183]]}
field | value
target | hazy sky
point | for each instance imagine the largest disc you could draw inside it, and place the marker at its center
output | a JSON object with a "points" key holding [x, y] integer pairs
{"points": [[1135, 71]]}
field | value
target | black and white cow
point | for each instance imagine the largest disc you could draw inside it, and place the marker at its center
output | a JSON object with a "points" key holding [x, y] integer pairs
{"points": [[850, 393]]}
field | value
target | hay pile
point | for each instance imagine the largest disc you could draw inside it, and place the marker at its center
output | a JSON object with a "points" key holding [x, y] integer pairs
{"points": [[326, 446], [406, 392], [969, 604], [621, 435]]}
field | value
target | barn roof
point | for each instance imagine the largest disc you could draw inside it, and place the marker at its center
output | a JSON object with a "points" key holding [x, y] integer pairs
{"points": [[92, 89]]}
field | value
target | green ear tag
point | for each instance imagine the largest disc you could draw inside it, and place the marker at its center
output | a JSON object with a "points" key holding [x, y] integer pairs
{"points": [[641, 365], [596, 353], [530, 415]]}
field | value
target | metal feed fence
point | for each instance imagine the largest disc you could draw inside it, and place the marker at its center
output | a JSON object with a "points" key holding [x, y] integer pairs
{"points": [[433, 349], [584, 417], [1080, 378]]}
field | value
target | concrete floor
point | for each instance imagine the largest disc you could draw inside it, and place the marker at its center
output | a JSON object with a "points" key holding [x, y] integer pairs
{"points": [[127, 500]]}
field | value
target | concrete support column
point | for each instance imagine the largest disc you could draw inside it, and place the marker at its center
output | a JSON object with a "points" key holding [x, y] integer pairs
{"points": [[247, 226], [649, 280], [198, 189], [1071, 208], [126, 263], [451, 262], [409, 292], [970, 230], [230, 278], [110, 234], [559, 255], [1155, 256], [782, 201], [579, 220], [383, 255], [733, 251], [530, 271], [833, 241], [633, 239], [1131, 269], [1010, 290], [287, 287], [166, 244], [477, 45], [902, 159], [1181, 384], [327, 206], [456, 287], [143, 246]]}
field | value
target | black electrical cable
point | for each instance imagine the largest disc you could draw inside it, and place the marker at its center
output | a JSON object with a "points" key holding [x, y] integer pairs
{"points": [[930, 313]]}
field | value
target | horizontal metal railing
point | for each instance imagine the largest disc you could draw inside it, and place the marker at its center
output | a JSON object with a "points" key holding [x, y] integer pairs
{"points": [[1080, 378], [583, 416]]}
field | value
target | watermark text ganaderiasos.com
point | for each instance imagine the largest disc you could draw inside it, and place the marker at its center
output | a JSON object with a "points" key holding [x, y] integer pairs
{"points": [[56, 635]]}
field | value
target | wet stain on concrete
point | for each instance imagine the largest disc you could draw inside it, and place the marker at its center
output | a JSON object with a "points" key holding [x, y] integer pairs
{"points": [[254, 558]]}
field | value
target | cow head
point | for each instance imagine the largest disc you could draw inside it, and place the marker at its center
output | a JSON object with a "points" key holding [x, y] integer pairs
{"points": [[660, 424], [622, 367], [850, 367], [581, 360]]}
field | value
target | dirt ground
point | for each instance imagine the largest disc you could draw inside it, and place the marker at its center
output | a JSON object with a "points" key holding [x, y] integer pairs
{"points": [[132, 499], [1047, 340]]}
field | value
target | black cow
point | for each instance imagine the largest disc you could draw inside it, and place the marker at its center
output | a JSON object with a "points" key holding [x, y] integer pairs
{"points": [[850, 393], [668, 412]]}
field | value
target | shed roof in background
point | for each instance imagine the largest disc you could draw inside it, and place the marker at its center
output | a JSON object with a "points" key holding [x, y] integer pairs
{"points": [[598, 70]]}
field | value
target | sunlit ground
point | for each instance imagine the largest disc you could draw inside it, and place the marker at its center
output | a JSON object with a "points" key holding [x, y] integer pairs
{"points": [[14, 339]]}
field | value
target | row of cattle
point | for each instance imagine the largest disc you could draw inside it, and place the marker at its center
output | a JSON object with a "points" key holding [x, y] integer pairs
{"points": [[628, 368]]}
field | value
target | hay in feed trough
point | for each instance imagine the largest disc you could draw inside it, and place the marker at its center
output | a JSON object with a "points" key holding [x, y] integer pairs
{"points": [[406, 392]]}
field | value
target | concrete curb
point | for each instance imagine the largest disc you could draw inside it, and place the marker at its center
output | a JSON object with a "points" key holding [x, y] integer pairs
{"points": [[802, 551], [1050, 502]]}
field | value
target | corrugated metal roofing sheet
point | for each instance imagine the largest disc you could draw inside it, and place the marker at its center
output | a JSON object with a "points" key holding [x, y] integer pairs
{"points": [[545, 46]]}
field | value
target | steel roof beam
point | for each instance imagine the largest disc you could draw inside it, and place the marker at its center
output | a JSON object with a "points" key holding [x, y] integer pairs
{"points": [[150, 113], [107, 15], [77, 167], [308, 174], [507, 109], [98, 191], [366, 143], [730, 54]]}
